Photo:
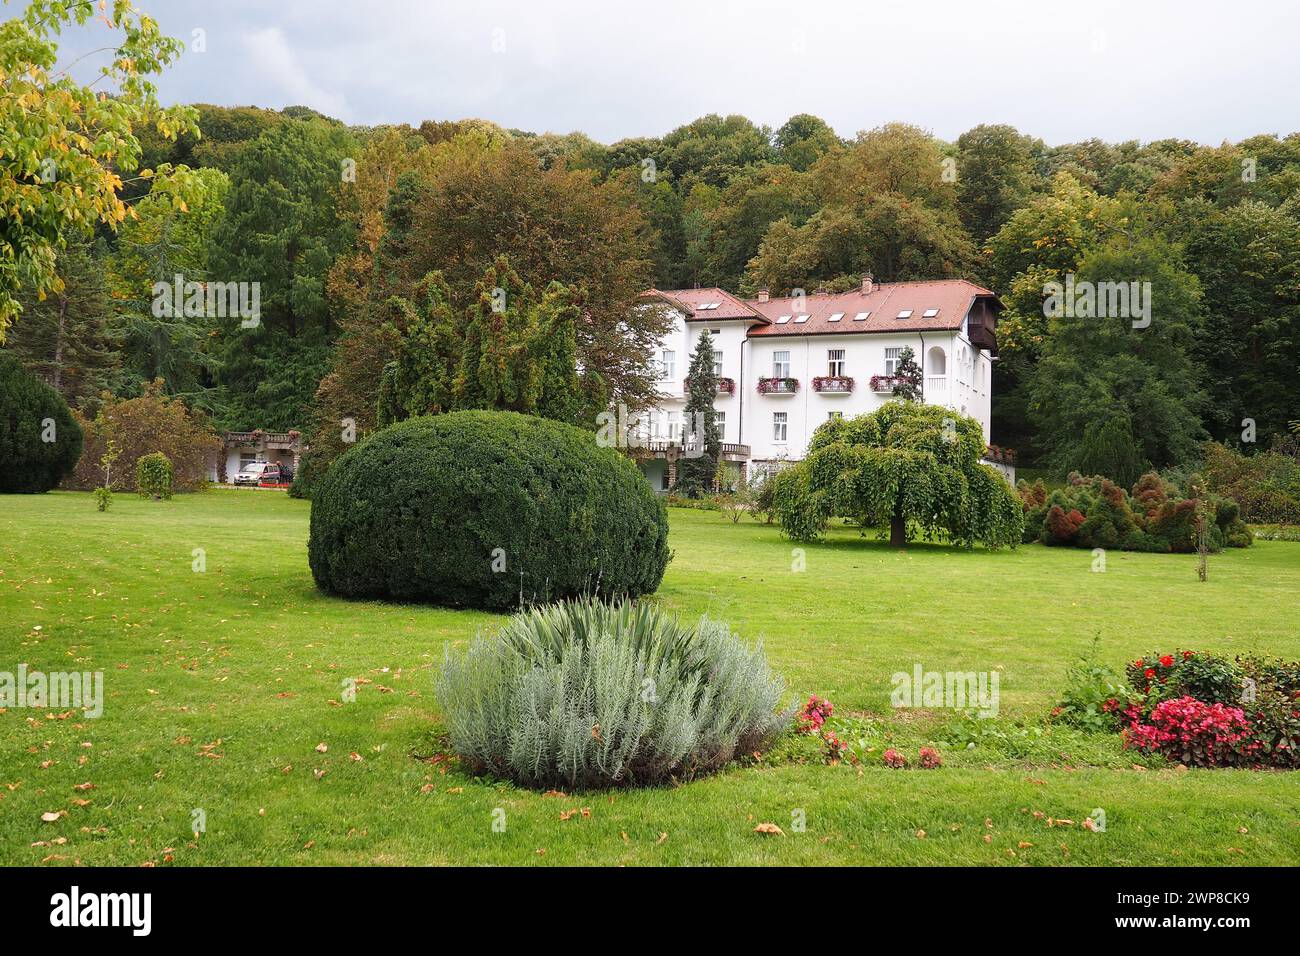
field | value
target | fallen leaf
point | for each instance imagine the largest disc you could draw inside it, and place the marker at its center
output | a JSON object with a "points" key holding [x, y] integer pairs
{"points": [[770, 828]]}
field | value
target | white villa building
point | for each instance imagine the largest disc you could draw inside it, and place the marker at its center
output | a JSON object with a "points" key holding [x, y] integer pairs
{"points": [[788, 364]]}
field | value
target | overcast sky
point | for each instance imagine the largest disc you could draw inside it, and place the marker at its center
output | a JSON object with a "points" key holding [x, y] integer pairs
{"points": [[1063, 71]]}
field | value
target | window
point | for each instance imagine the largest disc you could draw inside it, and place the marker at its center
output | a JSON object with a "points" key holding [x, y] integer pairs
{"points": [[721, 419], [780, 364], [715, 331], [835, 362], [668, 364], [831, 416], [861, 317], [905, 314], [929, 313], [891, 360], [782, 319], [717, 363], [835, 317], [778, 426], [707, 306], [674, 426], [800, 319]]}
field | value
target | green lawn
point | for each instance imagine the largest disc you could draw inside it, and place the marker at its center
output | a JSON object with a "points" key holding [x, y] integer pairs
{"points": [[221, 685]]}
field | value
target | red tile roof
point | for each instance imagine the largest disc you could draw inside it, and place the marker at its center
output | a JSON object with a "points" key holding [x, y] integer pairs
{"points": [[691, 301], [951, 297]]}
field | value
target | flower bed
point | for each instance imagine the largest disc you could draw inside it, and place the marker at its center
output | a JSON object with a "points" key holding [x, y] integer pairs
{"points": [[1198, 709]]}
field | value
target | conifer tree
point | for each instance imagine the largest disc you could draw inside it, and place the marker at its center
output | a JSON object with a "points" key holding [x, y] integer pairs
{"points": [[696, 471]]}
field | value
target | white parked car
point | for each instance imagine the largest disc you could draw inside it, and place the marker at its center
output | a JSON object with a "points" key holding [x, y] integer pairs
{"points": [[251, 473]]}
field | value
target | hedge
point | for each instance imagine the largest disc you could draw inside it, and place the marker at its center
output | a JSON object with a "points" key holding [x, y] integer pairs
{"points": [[39, 440], [485, 510]]}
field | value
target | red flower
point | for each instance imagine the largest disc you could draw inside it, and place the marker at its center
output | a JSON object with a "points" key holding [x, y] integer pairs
{"points": [[1167, 660], [1149, 673], [1186, 655]]}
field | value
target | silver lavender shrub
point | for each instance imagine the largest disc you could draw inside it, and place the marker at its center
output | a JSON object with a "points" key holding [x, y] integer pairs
{"points": [[587, 694]]}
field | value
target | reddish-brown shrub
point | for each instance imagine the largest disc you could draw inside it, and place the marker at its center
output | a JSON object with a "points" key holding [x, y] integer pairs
{"points": [[152, 422]]}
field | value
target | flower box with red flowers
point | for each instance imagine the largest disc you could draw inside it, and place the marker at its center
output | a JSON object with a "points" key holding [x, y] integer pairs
{"points": [[778, 386], [833, 384], [885, 383]]}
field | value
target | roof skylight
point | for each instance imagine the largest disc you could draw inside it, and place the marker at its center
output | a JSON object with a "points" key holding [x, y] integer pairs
{"points": [[861, 317], [835, 317], [905, 314], [782, 319], [929, 313], [800, 319]]}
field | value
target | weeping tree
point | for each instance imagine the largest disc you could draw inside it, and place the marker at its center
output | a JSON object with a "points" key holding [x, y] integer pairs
{"points": [[913, 467]]}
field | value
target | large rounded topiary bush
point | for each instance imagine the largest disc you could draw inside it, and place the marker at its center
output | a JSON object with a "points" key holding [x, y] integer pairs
{"points": [[40, 442], [588, 694], [483, 509]]}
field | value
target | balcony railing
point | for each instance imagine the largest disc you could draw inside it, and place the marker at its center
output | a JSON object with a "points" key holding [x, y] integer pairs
{"points": [[659, 447], [1004, 456], [884, 384], [936, 388], [778, 386], [833, 384], [271, 438]]}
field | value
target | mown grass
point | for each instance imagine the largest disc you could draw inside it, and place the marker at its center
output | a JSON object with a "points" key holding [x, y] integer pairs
{"points": [[220, 686]]}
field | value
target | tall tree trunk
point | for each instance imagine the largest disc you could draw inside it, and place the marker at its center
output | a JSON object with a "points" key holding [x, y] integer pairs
{"points": [[898, 531], [58, 343]]}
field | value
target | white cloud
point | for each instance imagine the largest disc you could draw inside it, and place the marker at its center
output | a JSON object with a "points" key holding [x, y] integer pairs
{"points": [[270, 53]]}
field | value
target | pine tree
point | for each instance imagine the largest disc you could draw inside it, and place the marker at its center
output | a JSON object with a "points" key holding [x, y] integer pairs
{"points": [[68, 339], [696, 472]]}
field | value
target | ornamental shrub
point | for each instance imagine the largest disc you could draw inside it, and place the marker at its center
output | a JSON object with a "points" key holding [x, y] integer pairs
{"points": [[588, 694], [1095, 512], [485, 510], [153, 476], [150, 422], [40, 442]]}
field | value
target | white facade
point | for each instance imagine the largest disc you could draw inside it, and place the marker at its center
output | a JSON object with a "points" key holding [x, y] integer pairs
{"points": [[779, 426]]}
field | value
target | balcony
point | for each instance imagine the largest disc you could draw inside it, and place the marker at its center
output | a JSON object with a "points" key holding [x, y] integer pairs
{"points": [[1000, 455], [670, 449], [726, 386], [833, 384], [936, 388], [884, 384], [778, 386]]}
